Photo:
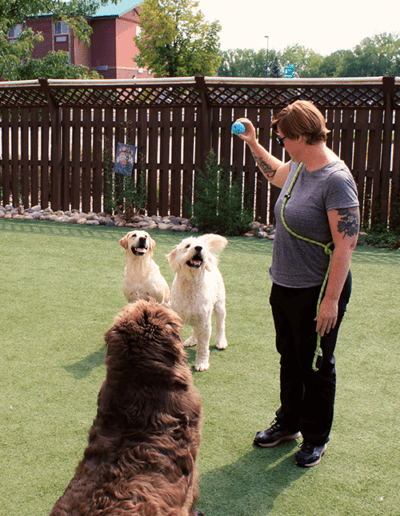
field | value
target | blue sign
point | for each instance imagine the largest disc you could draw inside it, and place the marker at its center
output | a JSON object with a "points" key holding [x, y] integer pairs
{"points": [[288, 71]]}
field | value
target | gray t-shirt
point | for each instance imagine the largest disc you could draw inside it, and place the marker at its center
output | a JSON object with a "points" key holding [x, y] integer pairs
{"points": [[300, 264]]}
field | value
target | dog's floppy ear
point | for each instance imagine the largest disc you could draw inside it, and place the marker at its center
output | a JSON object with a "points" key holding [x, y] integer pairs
{"points": [[212, 261], [173, 261], [124, 242], [152, 243], [214, 242]]}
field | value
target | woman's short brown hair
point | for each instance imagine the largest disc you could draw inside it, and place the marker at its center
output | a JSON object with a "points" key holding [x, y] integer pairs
{"points": [[301, 118]]}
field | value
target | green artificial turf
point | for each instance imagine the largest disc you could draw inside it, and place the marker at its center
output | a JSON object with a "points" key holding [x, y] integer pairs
{"points": [[60, 288]]}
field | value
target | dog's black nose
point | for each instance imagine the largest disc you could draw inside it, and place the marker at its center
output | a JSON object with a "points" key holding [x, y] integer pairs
{"points": [[142, 241], [198, 248]]}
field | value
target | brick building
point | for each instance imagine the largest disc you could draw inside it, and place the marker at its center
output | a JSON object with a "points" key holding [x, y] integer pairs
{"points": [[112, 50]]}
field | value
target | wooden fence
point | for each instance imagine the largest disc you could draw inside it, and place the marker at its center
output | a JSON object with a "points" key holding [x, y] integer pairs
{"points": [[59, 136]]}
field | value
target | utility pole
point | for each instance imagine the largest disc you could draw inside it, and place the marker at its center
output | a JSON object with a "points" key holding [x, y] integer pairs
{"points": [[267, 55]]}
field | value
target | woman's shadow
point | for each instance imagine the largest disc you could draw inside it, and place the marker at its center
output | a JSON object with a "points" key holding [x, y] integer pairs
{"points": [[250, 486]]}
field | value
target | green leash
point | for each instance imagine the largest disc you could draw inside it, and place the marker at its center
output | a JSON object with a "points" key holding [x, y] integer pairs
{"points": [[328, 251]]}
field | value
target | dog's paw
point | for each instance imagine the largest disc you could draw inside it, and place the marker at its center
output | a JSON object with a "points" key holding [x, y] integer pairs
{"points": [[202, 366], [190, 342], [222, 343]]}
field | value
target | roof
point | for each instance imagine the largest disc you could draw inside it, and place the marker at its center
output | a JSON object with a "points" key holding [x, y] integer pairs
{"points": [[119, 9]]}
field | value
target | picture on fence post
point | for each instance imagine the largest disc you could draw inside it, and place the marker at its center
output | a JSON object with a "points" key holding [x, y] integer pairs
{"points": [[124, 159]]}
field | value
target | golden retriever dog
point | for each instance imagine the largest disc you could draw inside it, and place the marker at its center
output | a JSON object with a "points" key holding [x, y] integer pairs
{"points": [[143, 279], [141, 455], [198, 290]]}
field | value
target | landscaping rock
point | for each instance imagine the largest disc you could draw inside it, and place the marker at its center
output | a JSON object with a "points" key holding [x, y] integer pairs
{"points": [[144, 222]]}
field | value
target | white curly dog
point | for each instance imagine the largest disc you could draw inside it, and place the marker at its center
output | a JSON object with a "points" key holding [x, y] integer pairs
{"points": [[143, 279], [197, 290]]}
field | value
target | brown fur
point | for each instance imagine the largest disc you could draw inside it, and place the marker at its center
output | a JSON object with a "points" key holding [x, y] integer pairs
{"points": [[141, 456]]}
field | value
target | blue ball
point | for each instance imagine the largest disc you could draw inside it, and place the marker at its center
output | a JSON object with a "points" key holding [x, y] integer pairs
{"points": [[238, 128]]}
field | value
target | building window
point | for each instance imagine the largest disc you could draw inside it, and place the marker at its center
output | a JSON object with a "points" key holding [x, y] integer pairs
{"points": [[138, 30], [15, 31], [61, 28]]}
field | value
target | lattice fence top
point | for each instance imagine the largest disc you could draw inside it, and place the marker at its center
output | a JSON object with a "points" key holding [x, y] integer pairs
{"points": [[369, 92], [26, 93], [126, 96]]}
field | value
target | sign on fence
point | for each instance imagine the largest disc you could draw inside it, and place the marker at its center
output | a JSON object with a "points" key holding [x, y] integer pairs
{"points": [[124, 159]]}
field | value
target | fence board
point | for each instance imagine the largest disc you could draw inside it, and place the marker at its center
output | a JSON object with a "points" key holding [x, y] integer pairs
{"points": [[25, 173], [44, 169], [164, 161], [76, 160], [65, 158], [142, 138], [119, 132], [34, 127], [225, 136], [347, 137], [153, 163], [107, 154], [374, 160], [55, 118], [176, 144], [5, 145], [86, 160], [188, 159], [360, 155], [15, 156], [97, 161]]}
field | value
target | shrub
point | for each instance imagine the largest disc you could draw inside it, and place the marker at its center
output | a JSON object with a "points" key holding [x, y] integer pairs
{"points": [[383, 238], [219, 206]]}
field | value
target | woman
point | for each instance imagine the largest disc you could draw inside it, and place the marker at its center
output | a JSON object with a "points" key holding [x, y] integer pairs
{"points": [[311, 283]]}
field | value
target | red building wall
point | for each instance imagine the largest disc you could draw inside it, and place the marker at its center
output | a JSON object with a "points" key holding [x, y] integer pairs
{"points": [[112, 50], [80, 53], [44, 25], [103, 47]]}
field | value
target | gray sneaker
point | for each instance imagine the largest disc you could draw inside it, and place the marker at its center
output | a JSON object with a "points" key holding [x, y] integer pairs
{"points": [[275, 435]]}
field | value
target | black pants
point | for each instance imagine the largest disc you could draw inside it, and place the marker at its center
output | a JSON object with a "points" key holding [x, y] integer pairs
{"points": [[307, 396]]}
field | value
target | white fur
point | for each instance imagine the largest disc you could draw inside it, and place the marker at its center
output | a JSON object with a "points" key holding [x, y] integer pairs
{"points": [[197, 291], [143, 279]]}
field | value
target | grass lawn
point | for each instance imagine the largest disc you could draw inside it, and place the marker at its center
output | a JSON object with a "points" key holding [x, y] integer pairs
{"points": [[60, 288]]}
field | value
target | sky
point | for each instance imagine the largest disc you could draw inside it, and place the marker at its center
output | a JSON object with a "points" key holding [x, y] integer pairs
{"points": [[322, 26]]}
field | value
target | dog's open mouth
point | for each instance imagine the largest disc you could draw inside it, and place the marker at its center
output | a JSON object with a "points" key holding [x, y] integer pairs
{"points": [[139, 251], [195, 262]]}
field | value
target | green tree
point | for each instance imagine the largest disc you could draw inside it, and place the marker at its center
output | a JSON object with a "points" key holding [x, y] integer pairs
{"points": [[246, 63], [305, 60], [55, 65], [330, 64], [176, 41], [376, 56], [13, 12]]}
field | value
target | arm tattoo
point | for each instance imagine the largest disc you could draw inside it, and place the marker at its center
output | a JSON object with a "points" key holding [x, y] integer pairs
{"points": [[349, 222], [265, 168]]}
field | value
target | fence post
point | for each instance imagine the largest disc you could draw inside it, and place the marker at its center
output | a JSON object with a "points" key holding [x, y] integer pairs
{"points": [[388, 92], [55, 116], [203, 139]]}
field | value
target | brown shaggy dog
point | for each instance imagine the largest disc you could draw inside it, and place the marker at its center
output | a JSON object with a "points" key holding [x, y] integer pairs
{"points": [[141, 456]]}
